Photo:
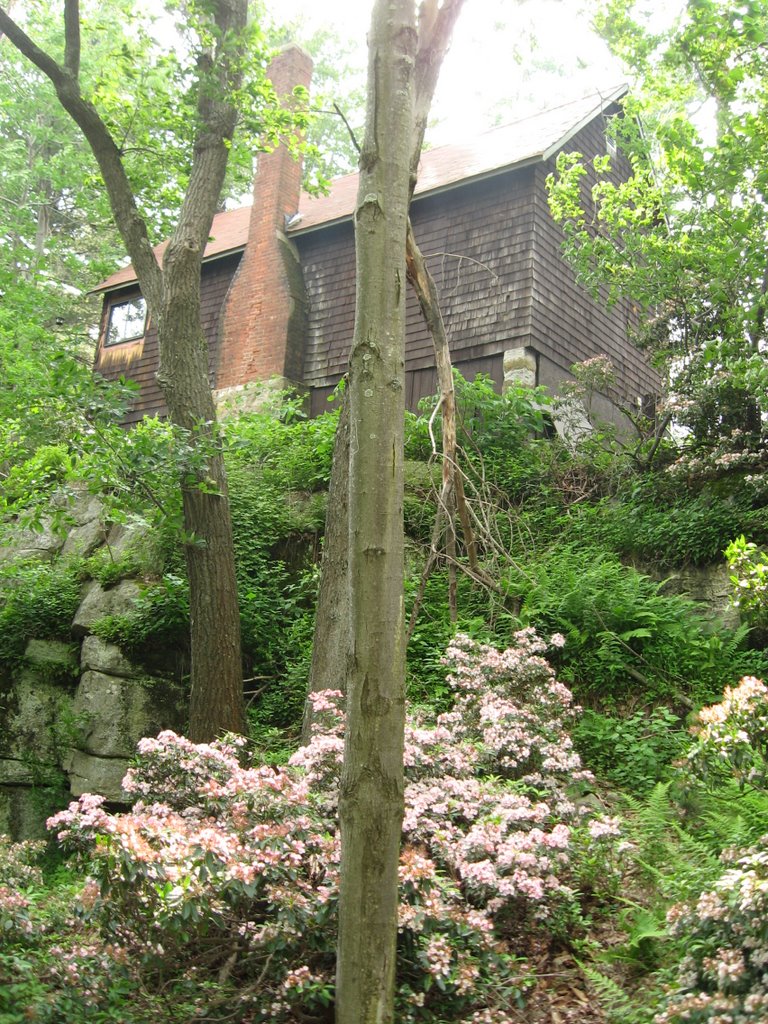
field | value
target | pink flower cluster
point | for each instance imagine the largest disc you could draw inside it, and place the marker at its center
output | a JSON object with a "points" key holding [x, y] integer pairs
{"points": [[234, 868], [723, 978], [18, 872], [732, 735], [490, 784]]}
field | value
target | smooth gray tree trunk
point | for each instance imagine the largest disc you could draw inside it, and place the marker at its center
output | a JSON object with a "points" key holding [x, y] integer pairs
{"points": [[404, 61], [371, 796]]}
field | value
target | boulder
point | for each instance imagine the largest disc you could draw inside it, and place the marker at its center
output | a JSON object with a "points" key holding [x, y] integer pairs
{"points": [[99, 602], [85, 539], [36, 724], [710, 586], [101, 775], [134, 543], [15, 772], [44, 545], [97, 655], [51, 658], [86, 508], [115, 712], [22, 815]]}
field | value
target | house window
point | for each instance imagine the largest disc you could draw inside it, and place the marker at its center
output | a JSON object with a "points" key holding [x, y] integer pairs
{"points": [[127, 321]]}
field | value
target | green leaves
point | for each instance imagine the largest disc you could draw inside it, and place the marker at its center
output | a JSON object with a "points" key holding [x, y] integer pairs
{"points": [[685, 235]]}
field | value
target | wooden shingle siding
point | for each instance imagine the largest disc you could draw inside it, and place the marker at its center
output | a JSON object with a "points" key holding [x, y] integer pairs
{"points": [[418, 383], [477, 242], [567, 325], [328, 262], [489, 240], [139, 362]]}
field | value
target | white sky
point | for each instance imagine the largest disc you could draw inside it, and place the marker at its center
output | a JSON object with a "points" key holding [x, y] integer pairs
{"points": [[490, 59]]}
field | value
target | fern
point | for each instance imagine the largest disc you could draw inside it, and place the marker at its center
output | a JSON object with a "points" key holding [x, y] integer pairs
{"points": [[677, 860], [617, 1004], [733, 818], [651, 817]]}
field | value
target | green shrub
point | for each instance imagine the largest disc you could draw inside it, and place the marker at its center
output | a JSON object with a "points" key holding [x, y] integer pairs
{"points": [[482, 616], [160, 618], [37, 600], [498, 434], [276, 705], [290, 451], [624, 637], [633, 753], [749, 569], [660, 520]]}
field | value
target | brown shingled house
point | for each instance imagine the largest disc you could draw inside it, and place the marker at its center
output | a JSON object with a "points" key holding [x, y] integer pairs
{"points": [[278, 299]]}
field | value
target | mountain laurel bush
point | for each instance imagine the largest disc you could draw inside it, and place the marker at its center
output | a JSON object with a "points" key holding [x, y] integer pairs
{"points": [[723, 978], [230, 872]]}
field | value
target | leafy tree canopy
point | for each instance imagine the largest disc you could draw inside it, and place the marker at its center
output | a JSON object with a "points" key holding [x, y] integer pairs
{"points": [[686, 234]]}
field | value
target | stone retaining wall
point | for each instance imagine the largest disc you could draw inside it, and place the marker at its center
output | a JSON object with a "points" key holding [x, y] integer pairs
{"points": [[71, 716]]}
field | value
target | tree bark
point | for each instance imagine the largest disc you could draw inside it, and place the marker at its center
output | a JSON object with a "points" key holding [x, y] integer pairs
{"points": [[371, 796], [328, 661], [173, 298]]}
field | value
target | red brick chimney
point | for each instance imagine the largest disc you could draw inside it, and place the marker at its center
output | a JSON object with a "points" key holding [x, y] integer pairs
{"points": [[263, 323]]}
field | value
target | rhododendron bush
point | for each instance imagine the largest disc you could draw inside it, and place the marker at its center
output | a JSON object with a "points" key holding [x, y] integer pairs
{"points": [[228, 871], [732, 736], [18, 871]]}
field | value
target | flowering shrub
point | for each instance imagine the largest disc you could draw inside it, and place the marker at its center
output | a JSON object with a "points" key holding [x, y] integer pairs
{"points": [[732, 736], [19, 872], [490, 786], [749, 568], [726, 455], [228, 871], [723, 978], [219, 870]]}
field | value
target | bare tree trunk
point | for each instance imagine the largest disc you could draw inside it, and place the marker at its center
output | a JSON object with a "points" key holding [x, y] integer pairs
{"points": [[371, 796], [452, 490], [328, 661]]}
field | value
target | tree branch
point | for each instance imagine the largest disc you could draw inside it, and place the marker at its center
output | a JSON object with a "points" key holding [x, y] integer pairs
{"points": [[129, 222], [72, 37], [337, 110], [435, 29], [452, 490], [218, 117]]}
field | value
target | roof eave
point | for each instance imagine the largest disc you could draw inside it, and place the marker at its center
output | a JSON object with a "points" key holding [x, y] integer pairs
{"points": [[535, 158], [449, 186], [105, 289], [613, 97]]}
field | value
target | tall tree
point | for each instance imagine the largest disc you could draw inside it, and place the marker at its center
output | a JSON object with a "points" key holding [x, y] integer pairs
{"points": [[371, 796], [220, 48], [686, 235], [58, 234], [405, 54]]}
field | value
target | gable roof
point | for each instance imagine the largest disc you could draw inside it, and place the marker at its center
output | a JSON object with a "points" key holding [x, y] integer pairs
{"points": [[532, 139]]}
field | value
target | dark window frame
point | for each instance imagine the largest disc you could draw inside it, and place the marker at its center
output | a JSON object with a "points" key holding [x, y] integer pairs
{"points": [[137, 332]]}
